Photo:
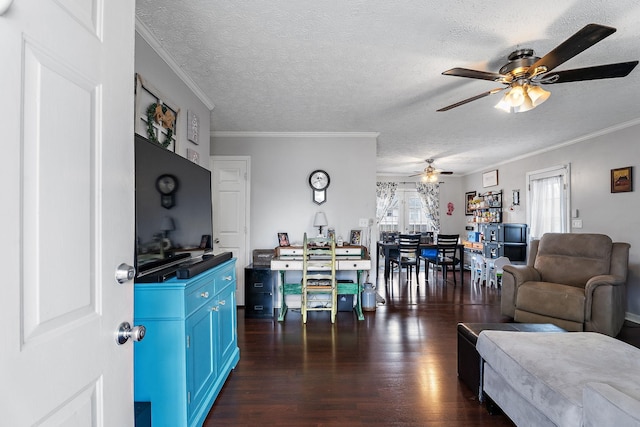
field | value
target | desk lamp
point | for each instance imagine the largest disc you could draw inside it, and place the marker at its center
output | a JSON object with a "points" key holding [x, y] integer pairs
{"points": [[320, 221]]}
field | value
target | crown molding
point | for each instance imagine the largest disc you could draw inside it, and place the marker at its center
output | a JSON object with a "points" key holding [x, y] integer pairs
{"points": [[246, 134], [584, 138], [146, 34]]}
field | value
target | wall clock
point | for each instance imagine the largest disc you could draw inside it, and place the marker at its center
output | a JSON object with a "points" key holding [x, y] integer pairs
{"points": [[319, 181], [167, 186]]}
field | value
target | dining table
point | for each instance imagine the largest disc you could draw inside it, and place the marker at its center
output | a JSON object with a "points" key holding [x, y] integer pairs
{"points": [[385, 249]]}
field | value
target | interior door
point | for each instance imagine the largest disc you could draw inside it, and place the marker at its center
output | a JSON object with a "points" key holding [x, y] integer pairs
{"points": [[230, 189], [67, 212]]}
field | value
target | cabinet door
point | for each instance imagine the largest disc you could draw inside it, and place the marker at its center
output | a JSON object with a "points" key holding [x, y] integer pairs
{"points": [[227, 332], [202, 361]]}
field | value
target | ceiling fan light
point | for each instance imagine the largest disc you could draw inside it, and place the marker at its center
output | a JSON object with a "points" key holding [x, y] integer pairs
{"points": [[515, 96], [538, 95], [525, 106], [503, 105]]}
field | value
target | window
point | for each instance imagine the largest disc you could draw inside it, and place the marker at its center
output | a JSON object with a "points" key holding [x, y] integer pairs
{"points": [[548, 193], [406, 214]]}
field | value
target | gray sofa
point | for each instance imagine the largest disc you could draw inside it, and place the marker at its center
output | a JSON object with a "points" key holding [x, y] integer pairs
{"points": [[575, 281], [561, 379]]}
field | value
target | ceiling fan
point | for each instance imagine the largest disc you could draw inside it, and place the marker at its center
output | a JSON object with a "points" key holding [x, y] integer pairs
{"points": [[525, 72], [430, 174]]}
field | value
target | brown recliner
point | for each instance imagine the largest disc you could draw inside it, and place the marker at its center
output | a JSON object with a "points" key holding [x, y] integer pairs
{"points": [[575, 281]]}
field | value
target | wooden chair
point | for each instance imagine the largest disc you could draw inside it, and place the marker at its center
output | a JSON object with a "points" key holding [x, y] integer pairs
{"points": [[407, 256], [445, 257], [319, 285]]}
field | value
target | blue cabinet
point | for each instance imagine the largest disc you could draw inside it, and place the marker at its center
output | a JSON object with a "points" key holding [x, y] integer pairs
{"points": [[190, 347]]}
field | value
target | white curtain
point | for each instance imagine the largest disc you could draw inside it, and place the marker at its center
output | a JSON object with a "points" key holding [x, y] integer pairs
{"points": [[430, 194], [547, 206], [385, 192]]}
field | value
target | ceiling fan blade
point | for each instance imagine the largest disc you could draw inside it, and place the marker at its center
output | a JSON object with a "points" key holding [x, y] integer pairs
{"points": [[446, 173], [608, 71], [474, 74], [473, 98], [589, 35]]}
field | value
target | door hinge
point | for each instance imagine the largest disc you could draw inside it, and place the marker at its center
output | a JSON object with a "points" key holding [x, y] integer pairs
{"points": [[188, 398], [188, 341]]}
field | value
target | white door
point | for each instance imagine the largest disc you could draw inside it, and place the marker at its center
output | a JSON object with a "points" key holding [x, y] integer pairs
{"points": [[66, 212], [230, 189]]}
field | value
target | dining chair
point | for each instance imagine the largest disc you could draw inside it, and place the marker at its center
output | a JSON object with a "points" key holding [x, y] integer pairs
{"points": [[445, 257], [407, 256]]}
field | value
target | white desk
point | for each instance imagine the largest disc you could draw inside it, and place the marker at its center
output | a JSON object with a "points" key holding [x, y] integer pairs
{"points": [[348, 258]]}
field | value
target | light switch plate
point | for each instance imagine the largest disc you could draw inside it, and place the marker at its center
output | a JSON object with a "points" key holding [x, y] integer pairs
{"points": [[576, 223]]}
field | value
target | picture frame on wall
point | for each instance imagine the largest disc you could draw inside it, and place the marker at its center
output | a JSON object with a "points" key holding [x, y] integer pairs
{"points": [[283, 239], [622, 180], [156, 116], [468, 198], [489, 179], [355, 238]]}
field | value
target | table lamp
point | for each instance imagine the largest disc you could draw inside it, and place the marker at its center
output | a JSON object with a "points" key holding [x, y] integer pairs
{"points": [[320, 221], [167, 225]]}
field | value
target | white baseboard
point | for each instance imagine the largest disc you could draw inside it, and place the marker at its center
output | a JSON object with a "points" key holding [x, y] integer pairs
{"points": [[635, 318]]}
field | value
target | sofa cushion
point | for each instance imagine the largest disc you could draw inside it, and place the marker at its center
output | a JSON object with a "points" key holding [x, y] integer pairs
{"points": [[573, 259], [551, 370], [552, 300]]}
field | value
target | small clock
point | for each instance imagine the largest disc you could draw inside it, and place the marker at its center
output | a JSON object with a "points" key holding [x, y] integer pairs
{"points": [[167, 184], [319, 181]]}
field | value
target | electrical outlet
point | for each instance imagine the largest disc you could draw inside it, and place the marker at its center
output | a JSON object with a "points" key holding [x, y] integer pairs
{"points": [[576, 223], [364, 222]]}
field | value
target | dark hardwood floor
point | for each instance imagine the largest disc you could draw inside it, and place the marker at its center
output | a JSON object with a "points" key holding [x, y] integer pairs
{"points": [[398, 367]]}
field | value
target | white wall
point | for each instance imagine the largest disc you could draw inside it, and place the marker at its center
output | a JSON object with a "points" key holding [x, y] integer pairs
{"points": [[601, 211], [280, 193], [157, 73]]}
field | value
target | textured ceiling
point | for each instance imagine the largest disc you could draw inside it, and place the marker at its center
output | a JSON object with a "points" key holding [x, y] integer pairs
{"points": [[375, 66]]}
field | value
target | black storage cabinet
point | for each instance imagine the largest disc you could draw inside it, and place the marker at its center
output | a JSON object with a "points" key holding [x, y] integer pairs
{"points": [[258, 292], [508, 240]]}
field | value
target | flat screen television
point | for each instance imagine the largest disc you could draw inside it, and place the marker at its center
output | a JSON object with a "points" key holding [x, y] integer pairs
{"points": [[173, 208]]}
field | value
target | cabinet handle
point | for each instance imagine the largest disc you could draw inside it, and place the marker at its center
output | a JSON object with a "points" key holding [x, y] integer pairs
{"points": [[204, 294], [223, 302], [216, 308], [228, 278]]}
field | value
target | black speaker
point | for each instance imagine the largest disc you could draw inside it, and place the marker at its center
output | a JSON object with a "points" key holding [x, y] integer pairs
{"points": [[187, 272]]}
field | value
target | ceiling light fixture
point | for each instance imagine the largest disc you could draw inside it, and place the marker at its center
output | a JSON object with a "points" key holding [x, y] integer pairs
{"points": [[430, 175], [522, 96]]}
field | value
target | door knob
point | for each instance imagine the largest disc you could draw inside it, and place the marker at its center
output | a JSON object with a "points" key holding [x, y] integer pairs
{"points": [[5, 5], [125, 272], [125, 331], [216, 241]]}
